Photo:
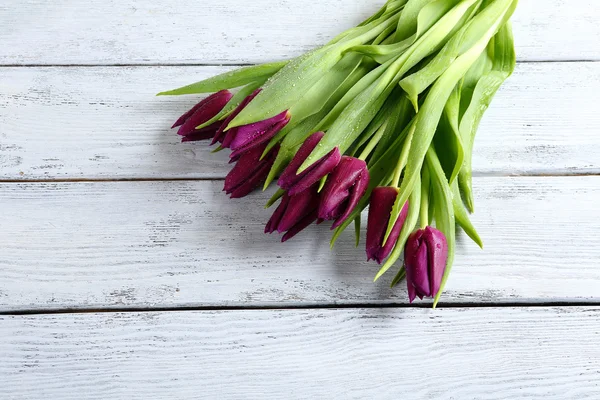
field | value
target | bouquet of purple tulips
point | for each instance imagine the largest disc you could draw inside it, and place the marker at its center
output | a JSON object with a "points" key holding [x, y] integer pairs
{"points": [[384, 116]]}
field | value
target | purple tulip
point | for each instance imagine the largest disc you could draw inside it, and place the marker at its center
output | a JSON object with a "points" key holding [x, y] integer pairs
{"points": [[249, 172], [380, 209], [295, 184], [344, 188], [220, 135], [245, 138], [199, 114], [205, 133], [294, 213], [425, 257]]}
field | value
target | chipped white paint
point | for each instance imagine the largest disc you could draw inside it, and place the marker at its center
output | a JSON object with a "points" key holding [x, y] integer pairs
{"points": [[65, 123], [164, 244], [233, 31], [477, 353]]}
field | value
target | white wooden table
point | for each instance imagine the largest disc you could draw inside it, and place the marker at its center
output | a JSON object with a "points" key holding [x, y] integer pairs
{"points": [[125, 273]]}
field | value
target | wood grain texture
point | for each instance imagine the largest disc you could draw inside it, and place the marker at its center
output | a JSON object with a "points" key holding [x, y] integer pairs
{"points": [[495, 353], [237, 31], [170, 244], [105, 123]]}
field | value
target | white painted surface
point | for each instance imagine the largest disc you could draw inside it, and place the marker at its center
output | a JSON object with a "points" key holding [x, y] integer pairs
{"points": [[164, 244], [85, 245], [233, 31], [103, 123], [485, 353]]}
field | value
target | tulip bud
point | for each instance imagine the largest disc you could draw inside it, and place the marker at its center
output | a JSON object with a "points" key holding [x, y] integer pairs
{"points": [[249, 172], [220, 135], [205, 133], [294, 213], [295, 184], [425, 257], [343, 190], [199, 114], [245, 138], [380, 210]]}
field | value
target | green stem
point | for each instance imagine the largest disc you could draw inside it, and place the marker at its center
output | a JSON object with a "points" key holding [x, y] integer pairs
{"points": [[370, 31], [373, 142], [424, 211], [403, 157]]}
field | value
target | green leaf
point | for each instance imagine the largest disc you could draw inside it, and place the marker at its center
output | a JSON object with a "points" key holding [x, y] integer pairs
{"points": [[385, 124], [287, 86], [416, 19], [502, 53], [357, 222], [409, 226], [482, 66], [297, 134], [276, 196], [398, 206], [399, 277], [462, 216], [400, 118], [371, 136], [447, 139], [322, 183], [353, 119], [359, 113], [430, 113], [229, 80], [444, 212], [411, 17], [452, 116], [465, 38], [322, 93], [363, 84], [389, 9]]}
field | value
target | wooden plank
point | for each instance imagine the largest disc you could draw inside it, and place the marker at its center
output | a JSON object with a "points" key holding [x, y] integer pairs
{"points": [[236, 31], [105, 123], [170, 244], [478, 353]]}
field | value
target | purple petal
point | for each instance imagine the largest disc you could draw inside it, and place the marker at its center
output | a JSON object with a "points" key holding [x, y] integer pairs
{"points": [[206, 110], [288, 178], [382, 203], [202, 134], [278, 214], [411, 251], [299, 207], [219, 136], [437, 247], [249, 172], [420, 274], [253, 182], [317, 171], [337, 188], [343, 190], [356, 194], [300, 226], [380, 208], [246, 139], [185, 116], [393, 238]]}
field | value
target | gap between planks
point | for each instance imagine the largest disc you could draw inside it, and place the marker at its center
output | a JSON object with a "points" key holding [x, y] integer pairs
{"points": [[121, 65], [210, 179], [540, 304]]}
